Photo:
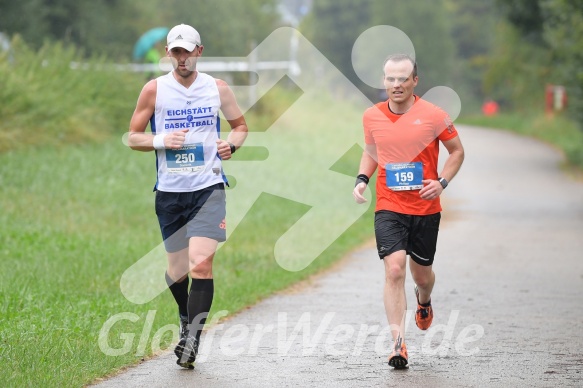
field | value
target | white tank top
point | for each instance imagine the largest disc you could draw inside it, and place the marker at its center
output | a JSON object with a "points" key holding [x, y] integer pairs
{"points": [[196, 165]]}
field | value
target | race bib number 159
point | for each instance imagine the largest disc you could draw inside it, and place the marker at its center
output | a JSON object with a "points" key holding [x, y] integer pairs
{"points": [[404, 176]]}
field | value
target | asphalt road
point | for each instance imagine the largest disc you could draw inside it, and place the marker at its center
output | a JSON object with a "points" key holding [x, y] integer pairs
{"points": [[508, 298]]}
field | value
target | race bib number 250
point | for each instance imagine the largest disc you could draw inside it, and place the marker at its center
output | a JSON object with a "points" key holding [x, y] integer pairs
{"points": [[189, 158], [404, 176]]}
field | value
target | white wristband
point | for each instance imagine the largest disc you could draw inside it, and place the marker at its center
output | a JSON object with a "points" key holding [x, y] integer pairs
{"points": [[158, 142]]}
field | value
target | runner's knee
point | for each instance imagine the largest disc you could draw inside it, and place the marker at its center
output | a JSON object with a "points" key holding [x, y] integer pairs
{"points": [[394, 273], [422, 279], [178, 265], [201, 267]]}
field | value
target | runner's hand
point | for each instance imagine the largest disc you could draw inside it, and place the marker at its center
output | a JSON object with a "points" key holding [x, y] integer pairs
{"points": [[358, 191], [224, 149], [431, 189], [175, 140]]}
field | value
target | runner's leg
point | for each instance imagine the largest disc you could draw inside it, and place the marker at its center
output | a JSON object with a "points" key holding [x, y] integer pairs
{"points": [[177, 279], [424, 278], [201, 254], [394, 292]]}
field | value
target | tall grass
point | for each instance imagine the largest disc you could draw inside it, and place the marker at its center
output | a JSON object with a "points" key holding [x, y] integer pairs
{"points": [[44, 102]]}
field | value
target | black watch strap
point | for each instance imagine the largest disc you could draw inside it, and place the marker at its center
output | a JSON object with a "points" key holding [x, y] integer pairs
{"points": [[233, 148], [443, 182]]}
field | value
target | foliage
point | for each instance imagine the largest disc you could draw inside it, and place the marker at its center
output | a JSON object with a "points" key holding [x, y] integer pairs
{"points": [[429, 29], [527, 16], [517, 72], [564, 35], [543, 44], [333, 26], [474, 43], [227, 27], [43, 101], [97, 26], [459, 43], [111, 27]]}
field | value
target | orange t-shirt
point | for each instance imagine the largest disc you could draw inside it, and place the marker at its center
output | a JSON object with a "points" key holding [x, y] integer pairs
{"points": [[410, 137]]}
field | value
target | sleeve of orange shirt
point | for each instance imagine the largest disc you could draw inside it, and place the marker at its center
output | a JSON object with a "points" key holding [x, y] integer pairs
{"points": [[368, 139], [446, 129]]}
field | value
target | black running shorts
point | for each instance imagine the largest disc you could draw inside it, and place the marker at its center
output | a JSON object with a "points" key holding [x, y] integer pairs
{"points": [[417, 235], [193, 214]]}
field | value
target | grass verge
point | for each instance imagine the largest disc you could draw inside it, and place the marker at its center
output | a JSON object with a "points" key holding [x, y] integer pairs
{"points": [[558, 131]]}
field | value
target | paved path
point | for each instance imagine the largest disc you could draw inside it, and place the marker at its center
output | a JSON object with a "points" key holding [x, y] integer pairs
{"points": [[508, 297]]}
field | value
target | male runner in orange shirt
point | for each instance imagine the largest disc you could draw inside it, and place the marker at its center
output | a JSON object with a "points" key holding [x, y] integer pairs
{"points": [[402, 138]]}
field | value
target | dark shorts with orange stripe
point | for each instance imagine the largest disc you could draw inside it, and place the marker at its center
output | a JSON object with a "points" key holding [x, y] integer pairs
{"points": [[198, 213], [417, 235]]}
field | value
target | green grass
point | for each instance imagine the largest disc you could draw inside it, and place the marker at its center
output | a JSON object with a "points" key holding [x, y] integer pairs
{"points": [[74, 217], [558, 131]]}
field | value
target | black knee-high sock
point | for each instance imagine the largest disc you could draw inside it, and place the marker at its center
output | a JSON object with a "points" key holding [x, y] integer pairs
{"points": [[199, 303], [180, 292]]}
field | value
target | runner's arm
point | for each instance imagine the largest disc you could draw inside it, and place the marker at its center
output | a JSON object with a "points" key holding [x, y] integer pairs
{"points": [[234, 117], [138, 139], [432, 188], [368, 165], [455, 159]]}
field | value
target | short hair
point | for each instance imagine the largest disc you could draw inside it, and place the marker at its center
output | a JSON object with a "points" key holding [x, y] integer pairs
{"points": [[399, 58]]}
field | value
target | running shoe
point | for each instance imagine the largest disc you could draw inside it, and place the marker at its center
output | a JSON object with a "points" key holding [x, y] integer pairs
{"points": [[186, 351], [183, 327], [424, 313], [399, 358]]}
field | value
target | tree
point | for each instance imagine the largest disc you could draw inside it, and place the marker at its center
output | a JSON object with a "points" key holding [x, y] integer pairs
{"points": [[546, 47], [472, 29], [517, 71], [427, 25], [113, 26], [333, 26], [563, 32], [526, 15], [95, 26], [226, 27]]}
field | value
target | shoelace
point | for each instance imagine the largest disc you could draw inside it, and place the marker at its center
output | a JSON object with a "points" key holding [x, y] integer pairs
{"points": [[190, 349], [398, 343], [424, 312], [183, 328]]}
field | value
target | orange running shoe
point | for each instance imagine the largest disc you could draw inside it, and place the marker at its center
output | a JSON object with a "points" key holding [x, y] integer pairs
{"points": [[399, 358], [424, 313]]}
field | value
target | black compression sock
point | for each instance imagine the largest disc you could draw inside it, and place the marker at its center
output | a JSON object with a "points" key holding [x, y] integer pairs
{"points": [[199, 303], [425, 304], [180, 292]]}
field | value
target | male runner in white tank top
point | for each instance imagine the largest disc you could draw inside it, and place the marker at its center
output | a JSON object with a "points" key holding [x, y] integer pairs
{"points": [[182, 108]]}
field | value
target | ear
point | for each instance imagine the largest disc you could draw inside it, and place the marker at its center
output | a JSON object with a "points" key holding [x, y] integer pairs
{"points": [[415, 80]]}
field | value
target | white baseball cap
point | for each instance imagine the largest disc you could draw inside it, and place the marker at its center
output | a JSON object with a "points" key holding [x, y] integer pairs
{"points": [[183, 36]]}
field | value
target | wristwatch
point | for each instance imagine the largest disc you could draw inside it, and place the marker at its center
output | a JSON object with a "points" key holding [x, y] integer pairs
{"points": [[443, 182], [233, 148]]}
